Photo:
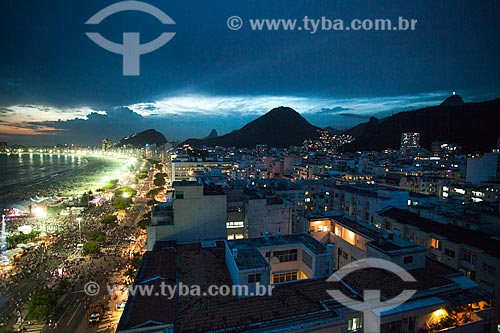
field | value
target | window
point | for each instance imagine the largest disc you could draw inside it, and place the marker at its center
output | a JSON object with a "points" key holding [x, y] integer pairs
{"points": [[287, 255], [307, 259], [166, 221], [449, 253], [469, 257], [337, 231], [354, 324], [489, 269], [234, 225], [284, 277], [436, 243], [408, 260], [387, 225], [252, 278]]}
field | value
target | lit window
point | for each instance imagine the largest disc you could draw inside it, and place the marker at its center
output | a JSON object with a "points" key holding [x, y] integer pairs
{"points": [[349, 236], [354, 324], [233, 225], [285, 277]]}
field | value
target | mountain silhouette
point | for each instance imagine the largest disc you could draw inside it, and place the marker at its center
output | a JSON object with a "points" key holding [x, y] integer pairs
{"points": [[453, 100], [138, 140], [213, 134], [473, 126], [280, 127]]}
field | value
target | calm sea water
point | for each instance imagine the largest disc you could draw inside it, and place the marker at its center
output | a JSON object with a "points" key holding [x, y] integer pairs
{"points": [[28, 175], [17, 171]]}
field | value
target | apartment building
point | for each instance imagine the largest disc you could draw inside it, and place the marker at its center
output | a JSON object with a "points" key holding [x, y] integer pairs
{"points": [[355, 240], [267, 214], [476, 253], [197, 212], [445, 300], [277, 259], [473, 252], [361, 201], [187, 170]]}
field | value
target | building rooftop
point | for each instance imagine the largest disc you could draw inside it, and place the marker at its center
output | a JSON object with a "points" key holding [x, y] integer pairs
{"points": [[427, 279], [250, 257], [395, 245], [456, 234], [156, 268], [293, 303], [370, 190], [362, 228], [157, 264], [379, 238], [316, 215]]}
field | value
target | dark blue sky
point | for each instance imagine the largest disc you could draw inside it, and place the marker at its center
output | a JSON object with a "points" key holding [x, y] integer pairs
{"points": [[209, 76]]}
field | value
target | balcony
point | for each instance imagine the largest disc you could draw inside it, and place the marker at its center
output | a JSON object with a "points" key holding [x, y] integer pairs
{"points": [[475, 325], [462, 319], [469, 266]]}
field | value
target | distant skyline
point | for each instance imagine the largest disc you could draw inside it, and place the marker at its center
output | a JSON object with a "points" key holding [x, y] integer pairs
{"points": [[56, 86]]}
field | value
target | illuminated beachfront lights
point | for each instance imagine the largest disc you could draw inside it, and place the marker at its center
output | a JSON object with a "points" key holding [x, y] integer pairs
{"points": [[40, 212]]}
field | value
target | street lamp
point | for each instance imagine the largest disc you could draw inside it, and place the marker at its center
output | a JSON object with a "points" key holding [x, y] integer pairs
{"points": [[79, 220], [41, 213]]}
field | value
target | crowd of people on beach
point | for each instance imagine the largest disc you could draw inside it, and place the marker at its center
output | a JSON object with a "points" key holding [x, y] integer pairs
{"points": [[55, 259]]}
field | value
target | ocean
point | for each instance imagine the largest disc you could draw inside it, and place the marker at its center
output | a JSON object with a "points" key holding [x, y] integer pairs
{"points": [[23, 176]]}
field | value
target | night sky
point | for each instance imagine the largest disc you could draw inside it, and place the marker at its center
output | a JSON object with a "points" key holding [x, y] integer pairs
{"points": [[57, 86]]}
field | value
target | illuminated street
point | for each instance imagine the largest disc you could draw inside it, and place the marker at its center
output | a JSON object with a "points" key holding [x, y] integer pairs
{"points": [[57, 259]]}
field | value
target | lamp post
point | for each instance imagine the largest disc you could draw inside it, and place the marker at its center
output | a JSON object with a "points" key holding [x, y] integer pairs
{"points": [[41, 214], [79, 220], [4, 236]]}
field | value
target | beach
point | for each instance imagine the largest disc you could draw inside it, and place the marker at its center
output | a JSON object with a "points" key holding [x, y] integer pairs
{"points": [[47, 176]]}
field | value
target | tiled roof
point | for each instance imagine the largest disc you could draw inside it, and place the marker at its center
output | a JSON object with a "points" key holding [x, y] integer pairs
{"points": [[156, 267], [291, 303], [159, 264], [370, 278]]}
